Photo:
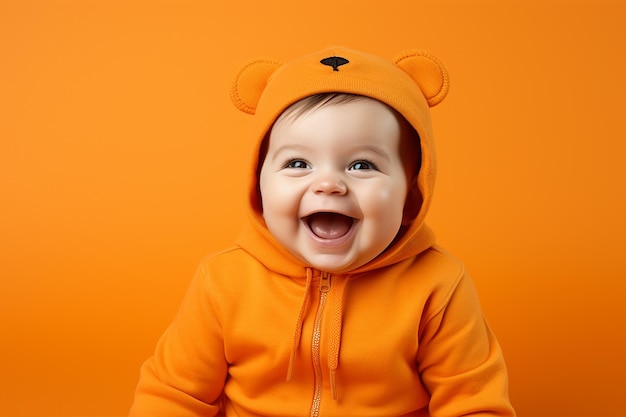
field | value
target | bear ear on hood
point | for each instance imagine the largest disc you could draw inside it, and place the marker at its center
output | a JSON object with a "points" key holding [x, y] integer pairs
{"points": [[423, 68], [250, 82], [427, 72]]}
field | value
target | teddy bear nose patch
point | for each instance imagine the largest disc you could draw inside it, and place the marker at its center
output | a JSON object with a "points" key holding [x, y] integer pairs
{"points": [[335, 62]]}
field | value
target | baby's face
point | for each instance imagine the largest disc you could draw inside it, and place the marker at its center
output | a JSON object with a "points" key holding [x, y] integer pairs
{"points": [[333, 184]]}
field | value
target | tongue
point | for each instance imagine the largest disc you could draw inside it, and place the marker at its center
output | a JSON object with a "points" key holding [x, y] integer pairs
{"points": [[329, 225]]}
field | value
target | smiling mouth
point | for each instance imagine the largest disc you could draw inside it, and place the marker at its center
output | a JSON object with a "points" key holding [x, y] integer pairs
{"points": [[327, 225]]}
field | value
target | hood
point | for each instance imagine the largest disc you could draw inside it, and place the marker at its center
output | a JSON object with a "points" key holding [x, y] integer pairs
{"points": [[411, 83]]}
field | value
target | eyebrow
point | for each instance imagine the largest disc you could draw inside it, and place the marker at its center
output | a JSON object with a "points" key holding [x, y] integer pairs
{"points": [[289, 148], [360, 148], [374, 149]]}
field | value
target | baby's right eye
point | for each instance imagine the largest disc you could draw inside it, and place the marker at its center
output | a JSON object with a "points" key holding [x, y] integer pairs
{"points": [[297, 163]]}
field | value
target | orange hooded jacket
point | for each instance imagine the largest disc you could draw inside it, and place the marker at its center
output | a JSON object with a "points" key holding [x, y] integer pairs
{"points": [[262, 334]]}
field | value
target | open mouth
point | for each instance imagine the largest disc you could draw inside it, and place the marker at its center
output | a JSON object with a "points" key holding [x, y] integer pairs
{"points": [[327, 225]]}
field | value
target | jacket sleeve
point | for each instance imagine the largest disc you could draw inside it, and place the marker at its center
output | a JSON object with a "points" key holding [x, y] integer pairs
{"points": [[186, 375], [460, 360]]}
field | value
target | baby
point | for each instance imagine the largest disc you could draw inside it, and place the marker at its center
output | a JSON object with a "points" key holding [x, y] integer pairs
{"points": [[335, 299]]}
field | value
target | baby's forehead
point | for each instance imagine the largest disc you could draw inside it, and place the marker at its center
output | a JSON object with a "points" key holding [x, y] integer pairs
{"points": [[330, 101], [311, 103], [352, 116]]}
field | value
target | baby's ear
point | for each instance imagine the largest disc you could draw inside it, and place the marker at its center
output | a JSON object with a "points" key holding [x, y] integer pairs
{"points": [[249, 83], [428, 73]]}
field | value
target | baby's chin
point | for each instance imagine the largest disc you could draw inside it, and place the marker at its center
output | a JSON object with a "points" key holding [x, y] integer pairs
{"points": [[334, 263]]}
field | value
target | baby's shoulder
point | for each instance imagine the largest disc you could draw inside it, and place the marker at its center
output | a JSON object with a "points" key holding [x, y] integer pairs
{"points": [[228, 260], [439, 265]]}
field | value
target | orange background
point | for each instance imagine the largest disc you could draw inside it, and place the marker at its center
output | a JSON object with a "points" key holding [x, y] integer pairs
{"points": [[120, 167]]}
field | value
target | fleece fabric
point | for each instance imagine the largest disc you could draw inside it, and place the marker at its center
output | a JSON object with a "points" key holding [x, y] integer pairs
{"points": [[260, 333]]}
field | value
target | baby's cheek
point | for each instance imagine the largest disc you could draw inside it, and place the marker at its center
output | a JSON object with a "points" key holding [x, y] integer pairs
{"points": [[270, 193], [384, 200], [279, 202], [386, 207]]}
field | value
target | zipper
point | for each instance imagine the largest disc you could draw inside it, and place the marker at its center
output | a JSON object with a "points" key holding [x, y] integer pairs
{"points": [[315, 346]]}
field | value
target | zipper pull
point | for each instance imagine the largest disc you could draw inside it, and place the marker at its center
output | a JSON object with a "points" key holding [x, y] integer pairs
{"points": [[325, 282]]}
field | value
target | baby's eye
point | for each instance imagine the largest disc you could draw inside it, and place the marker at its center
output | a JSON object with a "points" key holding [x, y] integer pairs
{"points": [[359, 165], [297, 163]]}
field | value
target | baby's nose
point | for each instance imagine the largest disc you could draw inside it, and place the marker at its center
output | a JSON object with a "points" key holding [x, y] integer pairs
{"points": [[329, 184]]}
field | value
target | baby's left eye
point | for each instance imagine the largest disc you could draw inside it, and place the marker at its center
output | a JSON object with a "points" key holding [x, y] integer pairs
{"points": [[359, 165], [297, 163]]}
